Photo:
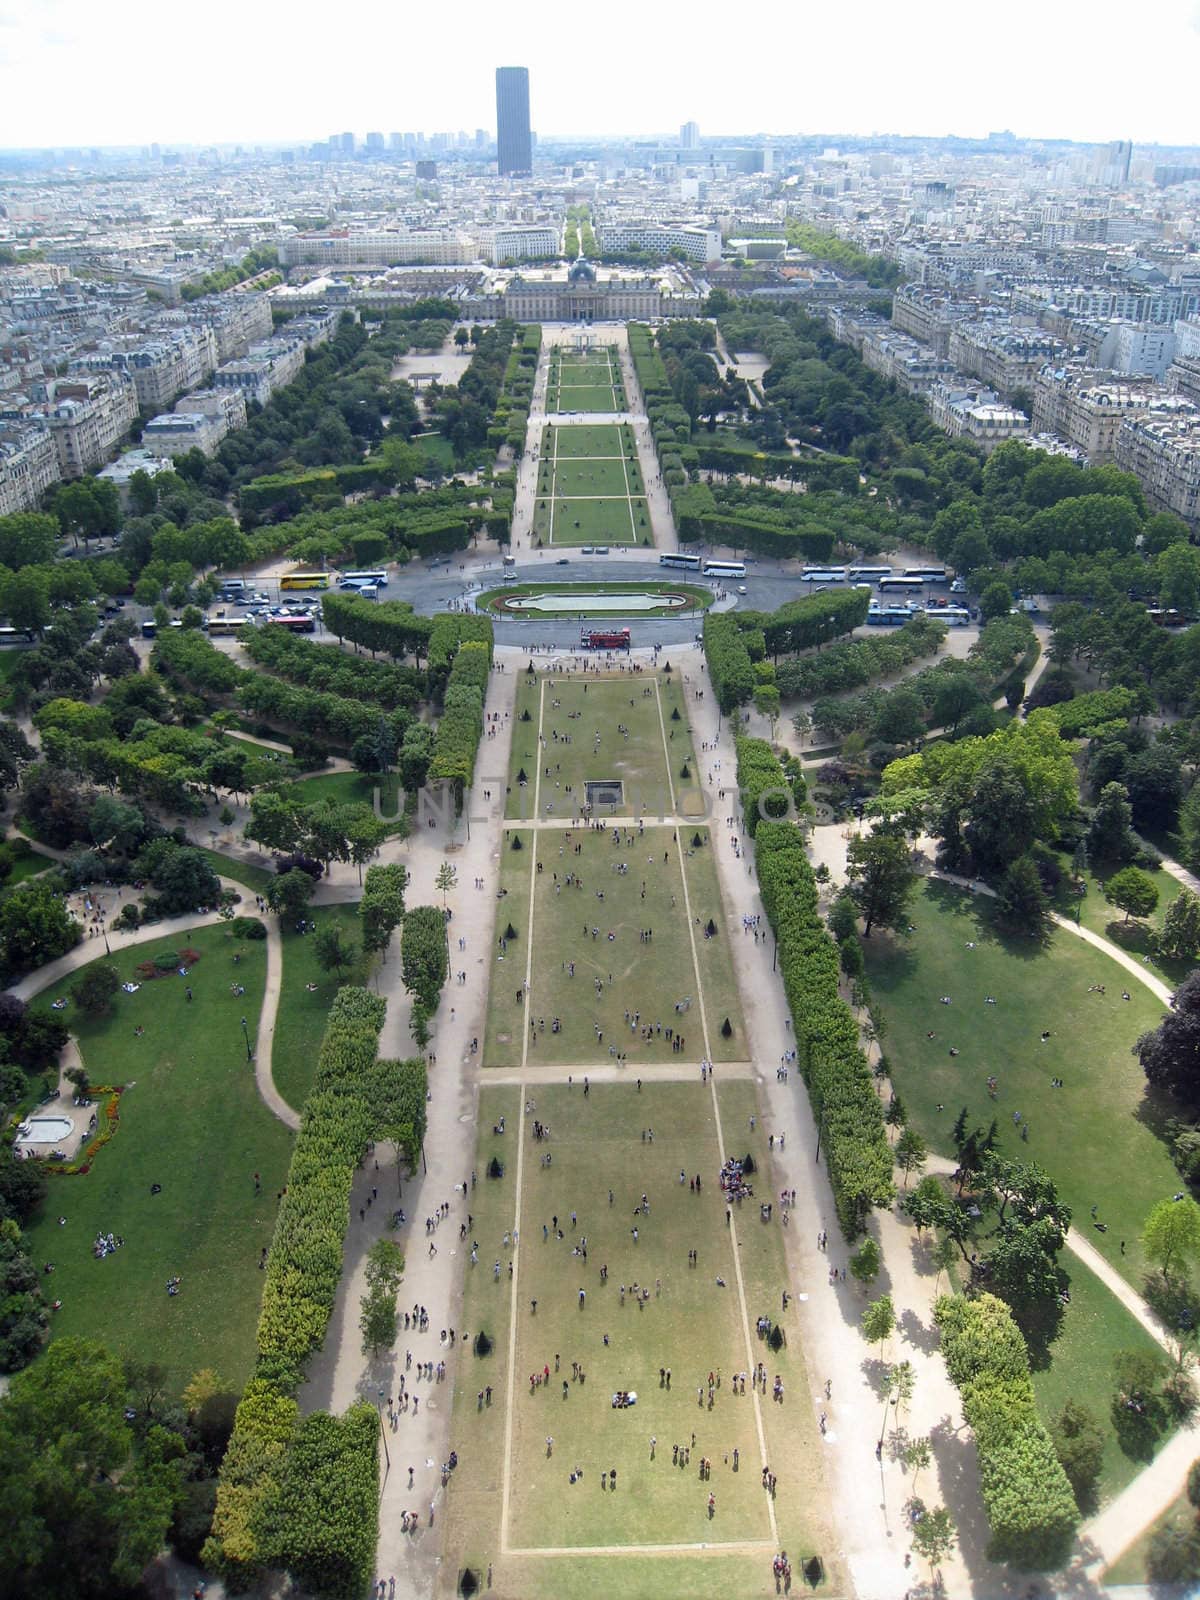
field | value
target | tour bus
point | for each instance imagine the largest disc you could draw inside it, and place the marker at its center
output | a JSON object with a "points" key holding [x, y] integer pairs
{"points": [[679, 558], [926, 574], [724, 569], [304, 580], [604, 639], [906, 585], [888, 616], [365, 580], [303, 622], [227, 625], [232, 586], [824, 574], [954, 616], [871, 574]]}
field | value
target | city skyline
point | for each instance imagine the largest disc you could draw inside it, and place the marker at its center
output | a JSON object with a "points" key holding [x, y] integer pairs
{"points": [[912, 72]]}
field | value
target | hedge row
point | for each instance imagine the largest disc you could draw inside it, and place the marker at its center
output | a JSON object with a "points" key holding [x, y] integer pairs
{"points": [[815, 620], [381, 909], [767, 538], [322, 716], [840, 1083], [1026, 1493], [729, 663], [304, 1268], [762, 785], [424, 958], [460, 728], [387, 625], [315, 666], [295, 488], [450, 630]]}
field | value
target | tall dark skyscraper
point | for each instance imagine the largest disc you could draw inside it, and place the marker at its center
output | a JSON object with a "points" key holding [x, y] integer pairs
{"points": [[514, 147]]}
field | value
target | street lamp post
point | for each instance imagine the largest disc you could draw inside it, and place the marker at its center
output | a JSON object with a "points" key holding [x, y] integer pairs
{"points": [[382, 1430], [246, 1037]]}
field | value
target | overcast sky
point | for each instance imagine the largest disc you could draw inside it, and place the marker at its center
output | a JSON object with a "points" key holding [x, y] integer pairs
{"points": [[77, 72]]}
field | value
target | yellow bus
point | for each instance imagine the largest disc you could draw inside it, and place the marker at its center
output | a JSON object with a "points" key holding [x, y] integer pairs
{"points": [[304, 580]]}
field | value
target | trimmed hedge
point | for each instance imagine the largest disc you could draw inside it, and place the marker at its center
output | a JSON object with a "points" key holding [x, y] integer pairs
{"points": [[251, 1526], [456, 742], [424, 958], [761, 784], [840, 1084], [817, 471], [388, 625], [729, 663], [767, 538], [1026, 1493]]}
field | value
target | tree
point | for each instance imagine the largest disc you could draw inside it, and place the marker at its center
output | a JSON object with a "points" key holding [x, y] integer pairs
{"points": [[999, 815], [1170, 1055], [767, 702], [83, 1515], [933, 1536], [957, 694], [879, 1320], [1079, 1445], [995, 601], [35, 927], [95, 987], [424, 958], [1021, 900], [1132, 891], [290, 892], [1153, 779], [881, 879], [1179, 939], [333, 949], [1109, 836], [377, 1319], [866, 1262], [1022, 1264], [1171, 1234], [900, 719], [447, 879], [182, 876], [911, 1153]]}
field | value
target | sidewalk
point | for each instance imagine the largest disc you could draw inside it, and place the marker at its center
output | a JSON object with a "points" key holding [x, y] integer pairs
{"points": [[342, 1373]]}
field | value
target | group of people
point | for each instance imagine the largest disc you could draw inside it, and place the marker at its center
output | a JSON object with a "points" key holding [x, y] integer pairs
{"points": [[105, 1243], [733, 1181]]}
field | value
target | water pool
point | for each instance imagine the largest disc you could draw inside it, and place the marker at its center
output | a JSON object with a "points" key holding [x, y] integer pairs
{"points": [[45, 1130], [576, 604]]}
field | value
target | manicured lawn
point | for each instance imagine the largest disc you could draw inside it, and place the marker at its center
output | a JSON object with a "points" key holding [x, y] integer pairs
{"points": [[357, 788], [1099, 1125], [27, 863], [586, 439], [300, 1020], [256, 879], [579, 708], [192, 1121], [614, 521], [597, 476], [689, 1323]]}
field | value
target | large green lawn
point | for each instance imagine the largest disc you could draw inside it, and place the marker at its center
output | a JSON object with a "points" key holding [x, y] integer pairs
{"points": [[590, 487], [346, 788], [1098, 1126], [691, 1323], [192, 1121]]}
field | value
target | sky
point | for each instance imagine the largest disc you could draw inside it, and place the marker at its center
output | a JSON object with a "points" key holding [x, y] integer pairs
{"points": [[75, 72]]}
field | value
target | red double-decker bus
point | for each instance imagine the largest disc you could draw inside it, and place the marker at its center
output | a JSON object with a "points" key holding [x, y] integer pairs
{"points": [[604, 639]]}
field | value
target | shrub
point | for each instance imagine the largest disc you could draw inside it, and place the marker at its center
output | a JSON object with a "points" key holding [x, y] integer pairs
{"points": [[483, 1344], [248, 928], [495, 1168]]}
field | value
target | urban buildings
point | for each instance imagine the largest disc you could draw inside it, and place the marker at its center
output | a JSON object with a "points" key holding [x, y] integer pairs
{"points": [[514, 141]]}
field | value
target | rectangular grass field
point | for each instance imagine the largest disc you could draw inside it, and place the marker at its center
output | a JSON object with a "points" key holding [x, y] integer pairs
{"points": [[688, 1318], [590, 487]]}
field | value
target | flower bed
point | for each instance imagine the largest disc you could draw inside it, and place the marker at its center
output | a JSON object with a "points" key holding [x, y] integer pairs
{"points": [[108, 1121]]}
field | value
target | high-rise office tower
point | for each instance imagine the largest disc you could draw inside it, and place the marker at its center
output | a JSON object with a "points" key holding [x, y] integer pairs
{"points": [[689, 135], [514, 148]]}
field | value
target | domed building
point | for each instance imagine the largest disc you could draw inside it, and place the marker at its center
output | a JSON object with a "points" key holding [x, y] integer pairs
{"points": [[581, 293]]}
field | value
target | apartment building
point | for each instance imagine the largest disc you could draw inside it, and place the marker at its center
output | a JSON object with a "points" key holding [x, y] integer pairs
{"points": [[929, 316], [28, 465], [266, 366], [88, 418], [1002, 357], [1164, 452], [976, 414], [906, 361], [1088, 408], [236, 320]]}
